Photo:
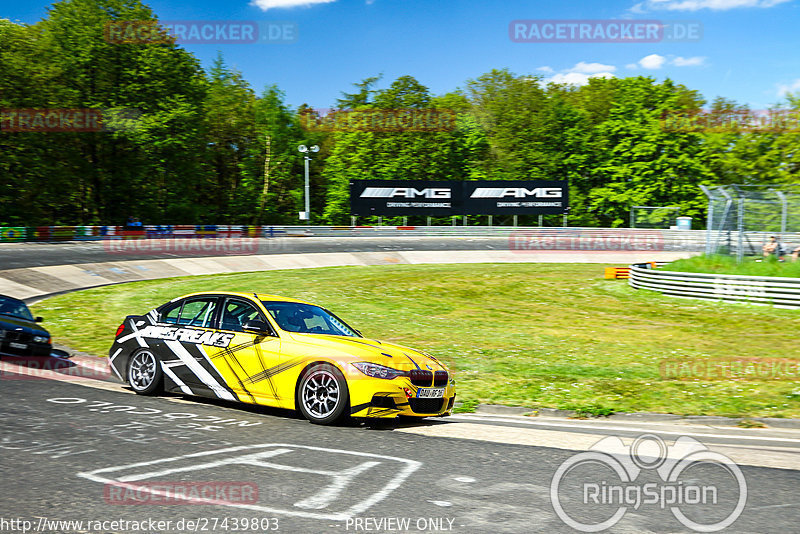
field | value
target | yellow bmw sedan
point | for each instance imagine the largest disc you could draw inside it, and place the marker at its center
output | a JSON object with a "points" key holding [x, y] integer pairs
{"points": [[276, 351]]}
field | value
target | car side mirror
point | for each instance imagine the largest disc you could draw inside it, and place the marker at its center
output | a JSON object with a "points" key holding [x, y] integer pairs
{"points": [[39, 319], [259, 327]]}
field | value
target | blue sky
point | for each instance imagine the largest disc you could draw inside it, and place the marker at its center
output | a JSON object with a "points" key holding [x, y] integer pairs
{"points": [[749, 50]]}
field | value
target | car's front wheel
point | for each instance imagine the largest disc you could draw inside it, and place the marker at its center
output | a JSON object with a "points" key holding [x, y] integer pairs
{"points": [[323, 397], [144, 373]]}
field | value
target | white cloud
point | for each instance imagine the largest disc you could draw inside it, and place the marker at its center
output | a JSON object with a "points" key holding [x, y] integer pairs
{"points": [[695, 61], [592, 68], [696, 5], [632, 66], [791, 87], [577, 78], [653, 61], [264, 5], [580, 73]]}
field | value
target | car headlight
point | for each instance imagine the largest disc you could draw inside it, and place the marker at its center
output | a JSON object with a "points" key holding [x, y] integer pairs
{"points": [[378, 371], [40, 339]]}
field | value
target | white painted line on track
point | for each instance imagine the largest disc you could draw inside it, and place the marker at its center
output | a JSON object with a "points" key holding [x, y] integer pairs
{"points": [[253, 458], [572, 426]]}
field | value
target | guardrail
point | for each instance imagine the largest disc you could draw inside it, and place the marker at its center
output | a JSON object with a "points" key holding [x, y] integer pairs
{"points": [[779, 292]]}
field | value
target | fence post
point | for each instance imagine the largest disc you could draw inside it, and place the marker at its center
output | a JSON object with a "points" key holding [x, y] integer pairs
{"points": [[740, 229]]}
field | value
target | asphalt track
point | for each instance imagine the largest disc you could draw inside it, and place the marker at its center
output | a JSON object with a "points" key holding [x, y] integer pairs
{"points": [[22, 255], [69, 447], [76, 445]]}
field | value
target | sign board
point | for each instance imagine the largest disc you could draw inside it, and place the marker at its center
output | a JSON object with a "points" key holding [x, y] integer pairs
{"points": [[439, 198]]}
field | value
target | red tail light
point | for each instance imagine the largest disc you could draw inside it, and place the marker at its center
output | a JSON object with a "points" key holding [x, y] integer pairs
{"points": [[120, 328]]}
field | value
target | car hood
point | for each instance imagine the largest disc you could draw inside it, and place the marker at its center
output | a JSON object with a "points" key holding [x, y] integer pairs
{"points": [[8, 322], [372, 350]]}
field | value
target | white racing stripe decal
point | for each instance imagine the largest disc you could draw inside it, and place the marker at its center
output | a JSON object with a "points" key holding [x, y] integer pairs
{"points": [[167, 371], [136, 334], [199, 371], [111, 363]]}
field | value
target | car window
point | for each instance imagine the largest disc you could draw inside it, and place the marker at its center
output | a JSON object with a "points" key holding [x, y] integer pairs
{"points": [[198, 312], [171, 314], [308, 319], [194, 312], [237, 312], [15, 308]]}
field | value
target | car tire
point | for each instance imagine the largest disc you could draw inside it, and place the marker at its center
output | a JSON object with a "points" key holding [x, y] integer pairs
{"points": [[322, 395], [144, 373]]}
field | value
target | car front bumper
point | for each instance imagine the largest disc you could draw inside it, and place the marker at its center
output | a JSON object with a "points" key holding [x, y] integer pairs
{"points": [[17, 348], [376, 398]]}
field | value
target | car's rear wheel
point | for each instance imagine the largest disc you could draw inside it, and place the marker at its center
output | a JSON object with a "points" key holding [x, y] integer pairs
{"points": [[323, 397], [144, 373]]}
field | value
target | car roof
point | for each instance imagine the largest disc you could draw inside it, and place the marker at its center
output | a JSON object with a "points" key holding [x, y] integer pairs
{"points": [[259, 296]]}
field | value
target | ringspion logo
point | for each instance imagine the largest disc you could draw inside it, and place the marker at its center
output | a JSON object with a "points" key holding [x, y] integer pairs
{"points": [[704, 490]]}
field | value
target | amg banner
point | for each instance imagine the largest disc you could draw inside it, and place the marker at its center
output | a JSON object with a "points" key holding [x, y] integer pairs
{"points": [[439, 199]]}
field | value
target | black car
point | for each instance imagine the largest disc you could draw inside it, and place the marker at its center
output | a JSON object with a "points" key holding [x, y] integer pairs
{"points": [[19, 333]]}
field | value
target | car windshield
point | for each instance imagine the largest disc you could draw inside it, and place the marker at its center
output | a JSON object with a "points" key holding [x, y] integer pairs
{"points": [[14, 308], [307, 319]]}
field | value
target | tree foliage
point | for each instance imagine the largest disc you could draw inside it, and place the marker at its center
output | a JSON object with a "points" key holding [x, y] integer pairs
{"points": [[181, 144]]}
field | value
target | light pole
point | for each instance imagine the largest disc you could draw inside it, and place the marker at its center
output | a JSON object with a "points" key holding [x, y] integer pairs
{"points": [[306, 215]]}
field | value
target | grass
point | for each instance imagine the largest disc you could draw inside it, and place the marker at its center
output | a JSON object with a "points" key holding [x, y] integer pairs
{"points": [[728, 265], [536, 335]]}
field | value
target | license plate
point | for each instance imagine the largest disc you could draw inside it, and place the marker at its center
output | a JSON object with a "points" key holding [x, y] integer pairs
{"points": [[430, 393], [18, 345]]}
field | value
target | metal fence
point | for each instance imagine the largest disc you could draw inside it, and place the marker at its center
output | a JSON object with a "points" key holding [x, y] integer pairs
{"points": [[741, 218], [765, 290]]}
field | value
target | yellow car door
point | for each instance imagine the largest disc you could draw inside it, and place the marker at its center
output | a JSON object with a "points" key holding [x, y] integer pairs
{"points": [[249, 361]]}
